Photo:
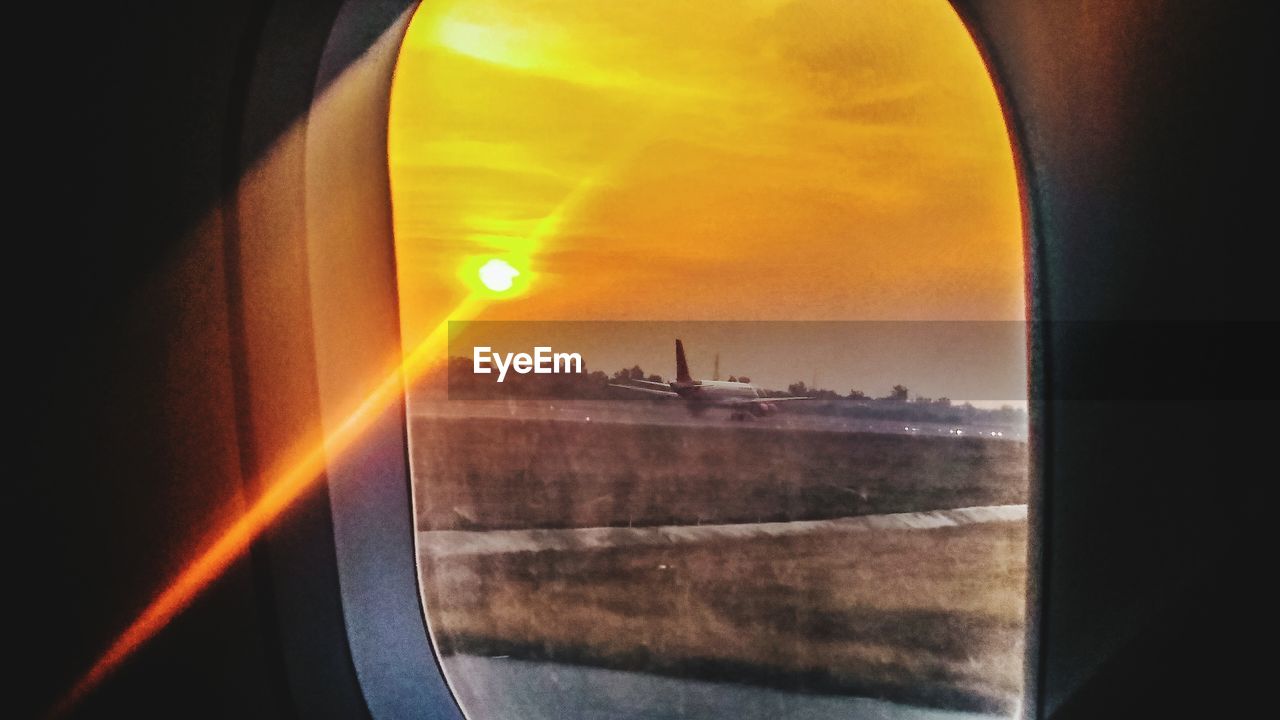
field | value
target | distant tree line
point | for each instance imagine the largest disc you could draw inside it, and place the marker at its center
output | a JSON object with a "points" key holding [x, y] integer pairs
{"points": [[896, 405], [463, 383]]}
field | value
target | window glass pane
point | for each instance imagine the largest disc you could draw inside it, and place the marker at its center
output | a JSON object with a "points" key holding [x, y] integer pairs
{"points": [[816, 506]]}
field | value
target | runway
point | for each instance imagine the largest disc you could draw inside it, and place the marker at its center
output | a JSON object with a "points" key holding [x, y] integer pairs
{"points": [[510, 689], [455, 543], [637, 412]]}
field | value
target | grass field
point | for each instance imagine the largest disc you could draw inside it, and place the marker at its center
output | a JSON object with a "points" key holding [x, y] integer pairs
{"points": [[931, 617], [483, 474]]}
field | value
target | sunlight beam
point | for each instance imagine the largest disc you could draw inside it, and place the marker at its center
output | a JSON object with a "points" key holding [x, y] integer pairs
{"points": [[283, 488]]}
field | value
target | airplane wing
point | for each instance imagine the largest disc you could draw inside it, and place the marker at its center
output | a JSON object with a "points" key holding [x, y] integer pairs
{"points": [[651, 383], [648, 391], [768, 400]]}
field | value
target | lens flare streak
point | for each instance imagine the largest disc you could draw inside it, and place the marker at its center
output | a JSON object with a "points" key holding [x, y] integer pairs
{"points": [[285, 486]]}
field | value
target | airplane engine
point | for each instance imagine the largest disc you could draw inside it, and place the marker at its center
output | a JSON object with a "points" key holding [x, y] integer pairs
{"points": [[764, 409]]}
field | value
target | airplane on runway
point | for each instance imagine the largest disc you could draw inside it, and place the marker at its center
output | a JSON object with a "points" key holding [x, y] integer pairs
{"points": [[743, 399]]}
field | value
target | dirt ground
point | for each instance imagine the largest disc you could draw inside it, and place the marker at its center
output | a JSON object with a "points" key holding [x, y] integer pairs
{"points": [[931, 617]]}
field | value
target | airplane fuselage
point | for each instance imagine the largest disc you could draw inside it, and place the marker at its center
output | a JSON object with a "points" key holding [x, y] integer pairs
{"points": [[743, 399], [714, 391]]}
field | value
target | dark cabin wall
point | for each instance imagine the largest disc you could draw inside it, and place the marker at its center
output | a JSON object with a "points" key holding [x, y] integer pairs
{"points": [[142, 442], [1147, 149]]}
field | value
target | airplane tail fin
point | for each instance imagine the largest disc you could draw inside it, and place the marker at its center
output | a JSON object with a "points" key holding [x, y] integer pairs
{"points": [[682, 365]]}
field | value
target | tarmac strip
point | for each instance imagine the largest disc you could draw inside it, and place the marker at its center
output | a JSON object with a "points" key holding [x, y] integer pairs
{"points": [[501, 687], [455, 543]]}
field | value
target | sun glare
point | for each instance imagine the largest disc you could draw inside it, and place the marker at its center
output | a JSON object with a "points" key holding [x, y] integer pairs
{"points": [[498, 275]]}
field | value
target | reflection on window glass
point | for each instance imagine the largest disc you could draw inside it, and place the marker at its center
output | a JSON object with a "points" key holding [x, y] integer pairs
{"points": [[770, 460]]}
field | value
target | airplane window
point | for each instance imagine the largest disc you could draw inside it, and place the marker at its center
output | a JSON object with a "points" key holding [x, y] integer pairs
{"points": [[714, 323]]}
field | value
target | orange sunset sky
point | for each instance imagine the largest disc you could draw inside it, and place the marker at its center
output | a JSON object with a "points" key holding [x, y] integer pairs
{"points": [[719, 159]]}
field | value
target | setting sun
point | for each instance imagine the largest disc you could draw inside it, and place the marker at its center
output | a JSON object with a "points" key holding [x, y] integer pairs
{"points": [[498, 275]]}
